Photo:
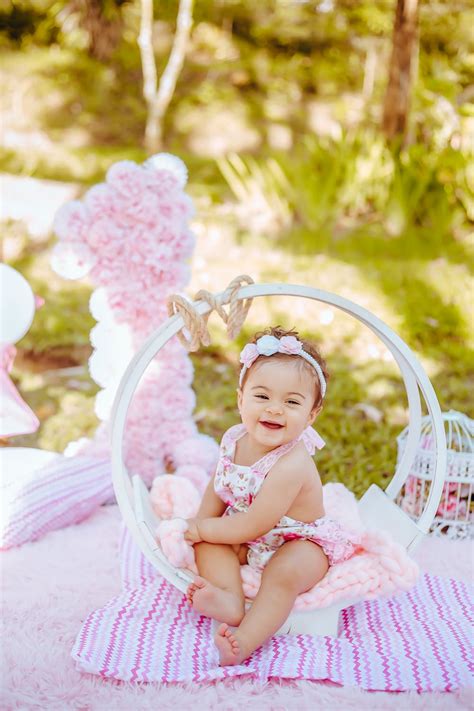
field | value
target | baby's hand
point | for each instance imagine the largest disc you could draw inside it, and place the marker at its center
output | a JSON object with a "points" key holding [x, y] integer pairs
{"points": [[191, 535]]}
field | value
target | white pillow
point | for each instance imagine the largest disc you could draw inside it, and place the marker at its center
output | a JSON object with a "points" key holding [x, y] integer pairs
{"points": [[42, 491]]}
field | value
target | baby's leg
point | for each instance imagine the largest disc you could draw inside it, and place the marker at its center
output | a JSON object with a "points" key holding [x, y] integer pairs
{"points": [[217, 591], [293, 569]]}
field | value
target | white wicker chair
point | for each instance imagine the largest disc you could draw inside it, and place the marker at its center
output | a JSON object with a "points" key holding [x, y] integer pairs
{"points": [[377, 508]]}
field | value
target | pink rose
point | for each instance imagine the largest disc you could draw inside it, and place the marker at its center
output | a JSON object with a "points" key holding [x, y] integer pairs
{"points": [[72, 221], [249, 354], [290, 345], [195, 474]]}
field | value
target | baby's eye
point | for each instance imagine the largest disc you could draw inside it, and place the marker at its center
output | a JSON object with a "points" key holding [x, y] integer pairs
{"points": [[262, 397], [293, 402]]}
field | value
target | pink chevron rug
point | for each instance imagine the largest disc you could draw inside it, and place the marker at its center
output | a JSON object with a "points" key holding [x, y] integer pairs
{"points": [[49, 587], [418, 640]]}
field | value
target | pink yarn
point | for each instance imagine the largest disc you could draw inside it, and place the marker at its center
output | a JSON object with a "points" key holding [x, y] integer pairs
{"points": [[174, 496], [378, 568], [196, 474], [170, 534]]}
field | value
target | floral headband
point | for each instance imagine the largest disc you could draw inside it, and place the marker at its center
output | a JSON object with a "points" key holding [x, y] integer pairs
{"points": [[269, 345]]}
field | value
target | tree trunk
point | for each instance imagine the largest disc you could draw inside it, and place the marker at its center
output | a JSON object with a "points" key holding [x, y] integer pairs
{"points": [[397, 97], [103, 31], [158, 99]]}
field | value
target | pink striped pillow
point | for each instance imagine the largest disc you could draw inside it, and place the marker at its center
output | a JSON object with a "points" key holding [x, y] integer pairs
{"points": [[60, 493]]}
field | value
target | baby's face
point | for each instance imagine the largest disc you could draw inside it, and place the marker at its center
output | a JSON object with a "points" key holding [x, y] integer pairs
{"points": [[277, 402]]}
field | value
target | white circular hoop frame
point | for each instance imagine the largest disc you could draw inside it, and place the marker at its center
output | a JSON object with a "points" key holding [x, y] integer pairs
{"points": [[414, 377]]}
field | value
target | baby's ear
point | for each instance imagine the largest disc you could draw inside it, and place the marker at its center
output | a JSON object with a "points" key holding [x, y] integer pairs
{"points": [[239, 398], [314, 413]]}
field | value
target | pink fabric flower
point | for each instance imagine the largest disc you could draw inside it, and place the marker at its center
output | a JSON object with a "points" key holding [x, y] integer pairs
{"points": [[249, 354], [174, 431], [176, 403], [196, 475], [201, 451], [72, 221], [290, 345]]}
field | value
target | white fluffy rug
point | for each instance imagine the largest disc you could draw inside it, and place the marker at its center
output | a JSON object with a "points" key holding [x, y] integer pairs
{"points": [[50, 586]]}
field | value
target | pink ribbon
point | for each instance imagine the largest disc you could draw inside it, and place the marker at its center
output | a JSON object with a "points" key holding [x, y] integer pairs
{"points": [[312, 440]]}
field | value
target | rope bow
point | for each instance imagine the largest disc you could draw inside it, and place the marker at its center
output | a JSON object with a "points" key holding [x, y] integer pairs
{"points": [[196, 325]]}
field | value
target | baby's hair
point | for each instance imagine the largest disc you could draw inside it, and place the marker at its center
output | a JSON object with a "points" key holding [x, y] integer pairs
{"points": [[310, 348]]}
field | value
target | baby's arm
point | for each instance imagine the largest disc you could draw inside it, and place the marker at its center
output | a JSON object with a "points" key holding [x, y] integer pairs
{"points": [[211, 506], [278, 492]]}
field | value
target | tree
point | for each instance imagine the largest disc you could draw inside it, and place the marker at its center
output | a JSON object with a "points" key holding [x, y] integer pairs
{"points": [[102, 21], [397, 97], [158, 97]]}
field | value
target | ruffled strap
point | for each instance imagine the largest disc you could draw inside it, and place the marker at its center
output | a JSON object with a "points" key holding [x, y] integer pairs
{"points": [[269, 460], [312, 440], [230, 437]]}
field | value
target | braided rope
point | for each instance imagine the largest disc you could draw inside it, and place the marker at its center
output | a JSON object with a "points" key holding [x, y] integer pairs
{"points": [[196, 325]]}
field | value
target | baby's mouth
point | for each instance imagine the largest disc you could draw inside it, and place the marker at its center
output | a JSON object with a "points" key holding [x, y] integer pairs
{"points": [[271, 425]]}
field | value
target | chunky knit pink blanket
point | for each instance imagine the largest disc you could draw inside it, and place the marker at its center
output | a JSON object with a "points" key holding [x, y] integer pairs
{"points": [[379, 567]]}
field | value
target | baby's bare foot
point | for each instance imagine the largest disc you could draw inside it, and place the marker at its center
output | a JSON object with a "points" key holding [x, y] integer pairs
{"points": [[229, 648], [192, 587], [213, 602]]}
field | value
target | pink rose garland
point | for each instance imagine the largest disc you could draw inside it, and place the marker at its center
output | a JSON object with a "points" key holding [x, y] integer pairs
{"points": [[131, 236]]}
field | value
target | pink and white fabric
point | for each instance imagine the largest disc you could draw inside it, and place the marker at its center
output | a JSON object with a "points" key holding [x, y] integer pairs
{"points": [[418, 640], [238, 486], [61, 493]]}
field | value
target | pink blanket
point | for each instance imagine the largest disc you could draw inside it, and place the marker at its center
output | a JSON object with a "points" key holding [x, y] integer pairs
{"points": [[418, 640], [379, 567]]}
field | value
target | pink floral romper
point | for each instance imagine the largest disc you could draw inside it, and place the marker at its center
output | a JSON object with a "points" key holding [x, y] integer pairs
{"points": [[238, 485]]}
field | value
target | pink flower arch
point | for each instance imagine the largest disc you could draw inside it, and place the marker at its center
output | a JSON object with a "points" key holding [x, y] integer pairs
{"points": [[130, 235]]}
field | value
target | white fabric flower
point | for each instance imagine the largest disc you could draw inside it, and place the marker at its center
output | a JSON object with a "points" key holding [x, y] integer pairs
{"points": [[268, 345], [167, 161]]}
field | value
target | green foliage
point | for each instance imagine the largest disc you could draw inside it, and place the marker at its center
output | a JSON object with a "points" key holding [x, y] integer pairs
{"points": [[64, 320], [75, 408], [325, 185]]}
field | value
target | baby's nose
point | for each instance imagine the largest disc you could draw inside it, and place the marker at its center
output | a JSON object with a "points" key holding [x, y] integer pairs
{"points": [[274, 407]]}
